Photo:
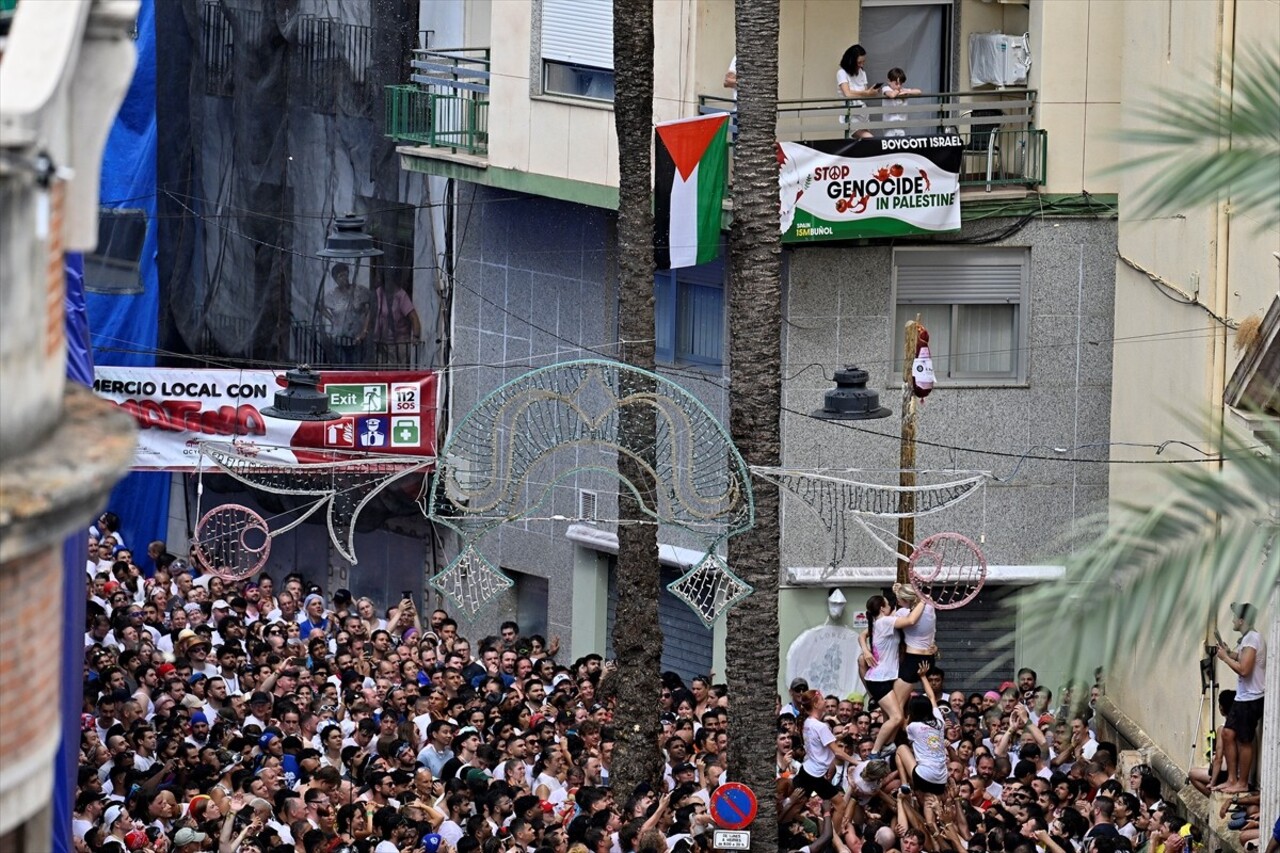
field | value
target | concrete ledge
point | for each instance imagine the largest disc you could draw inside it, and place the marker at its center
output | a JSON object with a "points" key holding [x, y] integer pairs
{"points": [[1199, 809], [606, 541], [811, 576], [57, 487]]}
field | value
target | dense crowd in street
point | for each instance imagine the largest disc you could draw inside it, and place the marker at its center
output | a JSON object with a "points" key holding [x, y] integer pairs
{"points": [[271, 715]]}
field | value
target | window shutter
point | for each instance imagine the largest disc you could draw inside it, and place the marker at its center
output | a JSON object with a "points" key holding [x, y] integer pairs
{"points": [[579, 32], [982, 277]]}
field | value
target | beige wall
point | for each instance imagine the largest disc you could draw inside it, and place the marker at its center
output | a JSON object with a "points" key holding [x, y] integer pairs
{"points": [[563, 138], [1169, 388], [1076, 48]]}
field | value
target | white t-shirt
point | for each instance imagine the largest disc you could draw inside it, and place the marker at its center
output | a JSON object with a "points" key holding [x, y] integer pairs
{"points": [[891, 101], [858, 82], [922, 634], [861, 788], [818, 738], [884, 645], [930, 749], [1251, 688]]}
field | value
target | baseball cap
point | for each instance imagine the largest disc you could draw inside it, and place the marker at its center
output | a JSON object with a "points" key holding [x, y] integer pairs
{"points": [[259, 696], [187, 835], [221, 604], [266, 739], [196, 676], [135, 840], [799, 684], [560, 679], [685, 767], [342, 595], [431, 842], [113, 814]]}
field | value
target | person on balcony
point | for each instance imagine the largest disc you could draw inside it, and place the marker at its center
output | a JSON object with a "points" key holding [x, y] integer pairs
{"points": [[396, 327], [346, 317], [851, 82], [895, 93]]}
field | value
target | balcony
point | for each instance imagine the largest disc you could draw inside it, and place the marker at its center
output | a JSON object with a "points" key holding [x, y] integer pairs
{"points": [[1003, 147], [446, 106], [313, 345]]}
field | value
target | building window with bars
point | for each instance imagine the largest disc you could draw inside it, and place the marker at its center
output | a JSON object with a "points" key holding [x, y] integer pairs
{"points": [[577, 48], [974, 304], [689, 316]]}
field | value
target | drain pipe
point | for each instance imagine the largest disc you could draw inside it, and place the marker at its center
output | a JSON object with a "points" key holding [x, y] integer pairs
{"points": [[1166, 768]]}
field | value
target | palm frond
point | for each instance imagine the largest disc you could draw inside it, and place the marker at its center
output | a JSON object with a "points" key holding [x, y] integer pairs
{"points": [[1158, 572], [1216, 147]]}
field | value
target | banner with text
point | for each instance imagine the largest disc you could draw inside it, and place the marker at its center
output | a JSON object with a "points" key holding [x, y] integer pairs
{"points": [[841, 189], [176, 409]]}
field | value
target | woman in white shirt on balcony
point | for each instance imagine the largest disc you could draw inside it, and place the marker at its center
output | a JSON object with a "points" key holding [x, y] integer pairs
{"points": [[851, 82]]}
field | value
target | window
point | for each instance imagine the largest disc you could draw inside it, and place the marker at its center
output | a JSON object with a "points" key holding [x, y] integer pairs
{"points": [[688, 313], [577, 48], [532, 596], [973, 302], [913, 34], [114, 266]]}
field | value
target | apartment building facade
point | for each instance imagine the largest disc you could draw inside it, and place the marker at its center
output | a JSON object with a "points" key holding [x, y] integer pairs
{"points": [[1037, 273]]}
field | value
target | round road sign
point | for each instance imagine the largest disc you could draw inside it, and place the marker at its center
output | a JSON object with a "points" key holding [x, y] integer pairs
{"points": [[733, 806]]}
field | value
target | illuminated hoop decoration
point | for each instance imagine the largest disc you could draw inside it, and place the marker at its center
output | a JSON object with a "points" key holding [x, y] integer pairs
{"points": [[232, 542], [948, 569]]}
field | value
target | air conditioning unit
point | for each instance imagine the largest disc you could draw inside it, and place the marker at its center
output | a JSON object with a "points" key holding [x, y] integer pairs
{"points": [[999, 59]]}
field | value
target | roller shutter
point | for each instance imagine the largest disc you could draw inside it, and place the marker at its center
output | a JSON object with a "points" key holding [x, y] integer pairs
{"points": [[686, 642], [973, 635], [579, 32]]}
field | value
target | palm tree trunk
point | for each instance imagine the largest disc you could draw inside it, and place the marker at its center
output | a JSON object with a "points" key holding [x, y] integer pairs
{"points": [[755, 344], [637, 636]]}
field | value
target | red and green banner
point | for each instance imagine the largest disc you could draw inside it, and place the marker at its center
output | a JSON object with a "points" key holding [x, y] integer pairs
{"points": [[378, 411], [842, 189]]}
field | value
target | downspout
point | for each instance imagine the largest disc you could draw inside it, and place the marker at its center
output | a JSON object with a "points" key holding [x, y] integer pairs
{"points": [[1222, 238], [1224, 74]]}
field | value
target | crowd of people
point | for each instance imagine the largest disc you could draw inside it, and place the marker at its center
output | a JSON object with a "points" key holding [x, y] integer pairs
{"points": [[267, 715]]}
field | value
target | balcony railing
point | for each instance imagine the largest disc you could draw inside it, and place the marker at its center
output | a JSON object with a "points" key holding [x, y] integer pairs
{"points": [[1002, 146], [313, 345], [446, 104], [330, 63]]}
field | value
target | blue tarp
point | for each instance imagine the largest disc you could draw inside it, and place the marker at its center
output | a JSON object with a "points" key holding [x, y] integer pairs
{"points": [[124, 327], [75, 554]]}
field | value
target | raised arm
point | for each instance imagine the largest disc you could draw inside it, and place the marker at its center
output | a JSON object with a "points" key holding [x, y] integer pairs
{"points": [[911, 618]]}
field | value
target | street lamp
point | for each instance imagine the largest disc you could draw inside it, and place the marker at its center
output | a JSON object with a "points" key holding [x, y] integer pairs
{"points": [[341, 318], [851, 399], [301, 398]]}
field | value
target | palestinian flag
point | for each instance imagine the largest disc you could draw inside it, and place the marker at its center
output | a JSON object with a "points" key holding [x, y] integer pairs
{"points": [[689, 179]]}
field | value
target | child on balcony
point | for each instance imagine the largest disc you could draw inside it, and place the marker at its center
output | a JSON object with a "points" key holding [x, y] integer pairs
{"points": [[895, 93]]}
